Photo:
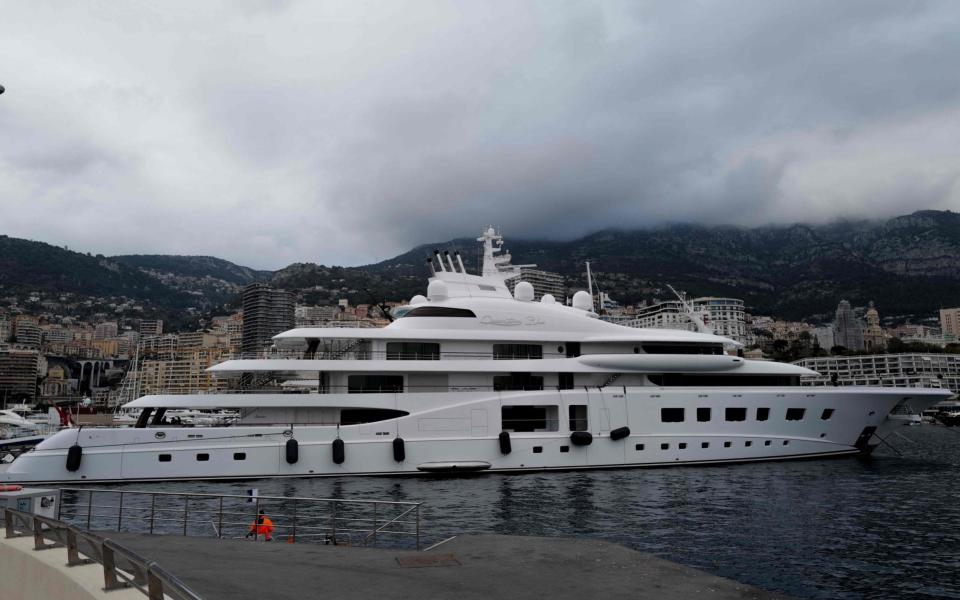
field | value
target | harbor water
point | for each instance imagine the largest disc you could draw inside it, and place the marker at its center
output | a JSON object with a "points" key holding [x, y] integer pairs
{"points": [[877, 527]]}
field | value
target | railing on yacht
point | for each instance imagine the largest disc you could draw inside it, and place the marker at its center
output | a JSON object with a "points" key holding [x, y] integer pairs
{"points": [[382, 355], [295, 519], [122, 567]]}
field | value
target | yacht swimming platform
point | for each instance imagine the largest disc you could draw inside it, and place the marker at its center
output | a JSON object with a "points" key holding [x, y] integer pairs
{"points": [[465, 567]]}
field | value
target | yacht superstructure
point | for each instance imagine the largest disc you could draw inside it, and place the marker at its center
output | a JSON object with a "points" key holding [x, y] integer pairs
{"points": [[472, 378]]}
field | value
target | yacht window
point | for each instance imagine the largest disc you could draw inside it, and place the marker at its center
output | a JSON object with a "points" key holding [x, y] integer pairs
{"points": [[439, 311], [564, 448], [525, 418], [826, 414], [165, 458], [748, 443], [703, 414], [413, 351], [671, 415], [578, 417], [538, 449], [203, 457], [726, 444], [355, 416], [517, 351], [692, 380], [704, 444], [573, 349], [736, 414], [486, 288], [239, 456], [763, 414], [681, 348], [517, 381], [565, 381], [766, 443], [664, 446], [683, 445], [373, 384], [795, 414], [638, 447]]}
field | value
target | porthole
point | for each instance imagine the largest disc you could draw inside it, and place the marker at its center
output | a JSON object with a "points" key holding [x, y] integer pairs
{"points": [[683, 445], [726, 444], [203, 457], [165, 458], [239, 456], [786, 442], [748, 443], [639, 447], [766, 443], [704, 444], [564, 448], [664, 446], [537, 449]]}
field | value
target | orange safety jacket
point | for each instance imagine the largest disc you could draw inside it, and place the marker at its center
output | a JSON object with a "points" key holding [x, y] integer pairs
{"points": [[263, 526]]}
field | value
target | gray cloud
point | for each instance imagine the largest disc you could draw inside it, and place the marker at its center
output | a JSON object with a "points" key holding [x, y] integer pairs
{"points": [[345, 132]]}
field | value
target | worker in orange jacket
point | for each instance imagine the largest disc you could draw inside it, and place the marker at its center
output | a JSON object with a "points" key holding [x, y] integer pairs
{"points": [[262, 526]]}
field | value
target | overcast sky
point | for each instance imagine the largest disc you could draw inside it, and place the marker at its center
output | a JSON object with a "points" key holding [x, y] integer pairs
{"points": [[346, 132]]}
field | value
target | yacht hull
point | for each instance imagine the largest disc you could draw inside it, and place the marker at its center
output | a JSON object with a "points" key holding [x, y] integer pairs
{"points": [[465, 427]]}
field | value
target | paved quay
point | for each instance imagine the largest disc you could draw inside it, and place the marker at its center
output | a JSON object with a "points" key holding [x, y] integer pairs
{"points": [[465, 568]]}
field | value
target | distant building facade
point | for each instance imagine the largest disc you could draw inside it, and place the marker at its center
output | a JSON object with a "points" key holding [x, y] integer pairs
{"points": [[725, 316], [151, 327], [18, 373], [543, 282], [950, 322], [873, 337], [847, 328], [888, 370]]}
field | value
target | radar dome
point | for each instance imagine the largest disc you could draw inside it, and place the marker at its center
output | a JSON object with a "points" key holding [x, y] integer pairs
{"points": [[583, 301], [437, 290], [548, 299], [418, 299], [523, 292]]}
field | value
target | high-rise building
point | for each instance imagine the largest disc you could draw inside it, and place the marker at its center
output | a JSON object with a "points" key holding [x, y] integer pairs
{"points": [[26, 332], [18, 373], [724, 316], [266, 312], [543, 282], [151, 327], [105, 331], [950, 321], [847, 328]]}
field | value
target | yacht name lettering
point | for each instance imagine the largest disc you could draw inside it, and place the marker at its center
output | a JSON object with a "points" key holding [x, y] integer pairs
{"points": [[512, 322]]}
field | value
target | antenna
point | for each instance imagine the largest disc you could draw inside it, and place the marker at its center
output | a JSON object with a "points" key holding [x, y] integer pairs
{"points": [[590, 286], [691, 314]]}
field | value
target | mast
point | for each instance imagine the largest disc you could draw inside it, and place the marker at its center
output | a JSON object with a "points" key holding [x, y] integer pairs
{"points": [[593, 306]]}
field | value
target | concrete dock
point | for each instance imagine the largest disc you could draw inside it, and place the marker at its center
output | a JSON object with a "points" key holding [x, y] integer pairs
{"points": [[465, 568]]}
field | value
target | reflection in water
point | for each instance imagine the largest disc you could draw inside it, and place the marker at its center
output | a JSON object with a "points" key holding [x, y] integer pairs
{"points": [[883, 527]]}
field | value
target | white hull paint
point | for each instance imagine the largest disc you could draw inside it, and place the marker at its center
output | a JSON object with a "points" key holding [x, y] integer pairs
{"points": [[438, 431]]}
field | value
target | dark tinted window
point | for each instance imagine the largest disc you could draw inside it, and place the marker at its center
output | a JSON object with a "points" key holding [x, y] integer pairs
{"points": [[638, 447], [664, 446], [726, 444], [564, 448], [795, 414], [413, 351], [517, 381], [537, 449], [681, 348], [704, 444], [355, 416], [826, 414], [439, 311], [683, 445], [763, 414], [578, 417], [671, 415], [203, 457], [165, 458], [565, 381], [528, 418], [736, 414], [374, 384], [239, 456], [685, 379], [703, 414], [517, 351]]}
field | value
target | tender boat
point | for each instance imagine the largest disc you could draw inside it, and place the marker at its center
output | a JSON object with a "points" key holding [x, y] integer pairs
{"points": [[472, 377]]}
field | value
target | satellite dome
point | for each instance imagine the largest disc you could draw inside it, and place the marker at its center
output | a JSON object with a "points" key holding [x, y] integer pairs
{"points": [[548, 299], [437, 290], [583, 301], [418, 299], [523, 292]]}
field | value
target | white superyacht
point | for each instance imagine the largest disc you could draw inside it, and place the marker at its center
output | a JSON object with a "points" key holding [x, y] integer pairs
{"points": [[474, 378]]}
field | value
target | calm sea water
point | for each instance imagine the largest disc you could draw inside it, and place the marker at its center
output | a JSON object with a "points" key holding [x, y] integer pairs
{"points": [[883, 527]]}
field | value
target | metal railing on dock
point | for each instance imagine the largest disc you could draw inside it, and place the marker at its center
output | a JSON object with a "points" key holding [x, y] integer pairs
{"points": [[294, 519], [122, 567]]}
